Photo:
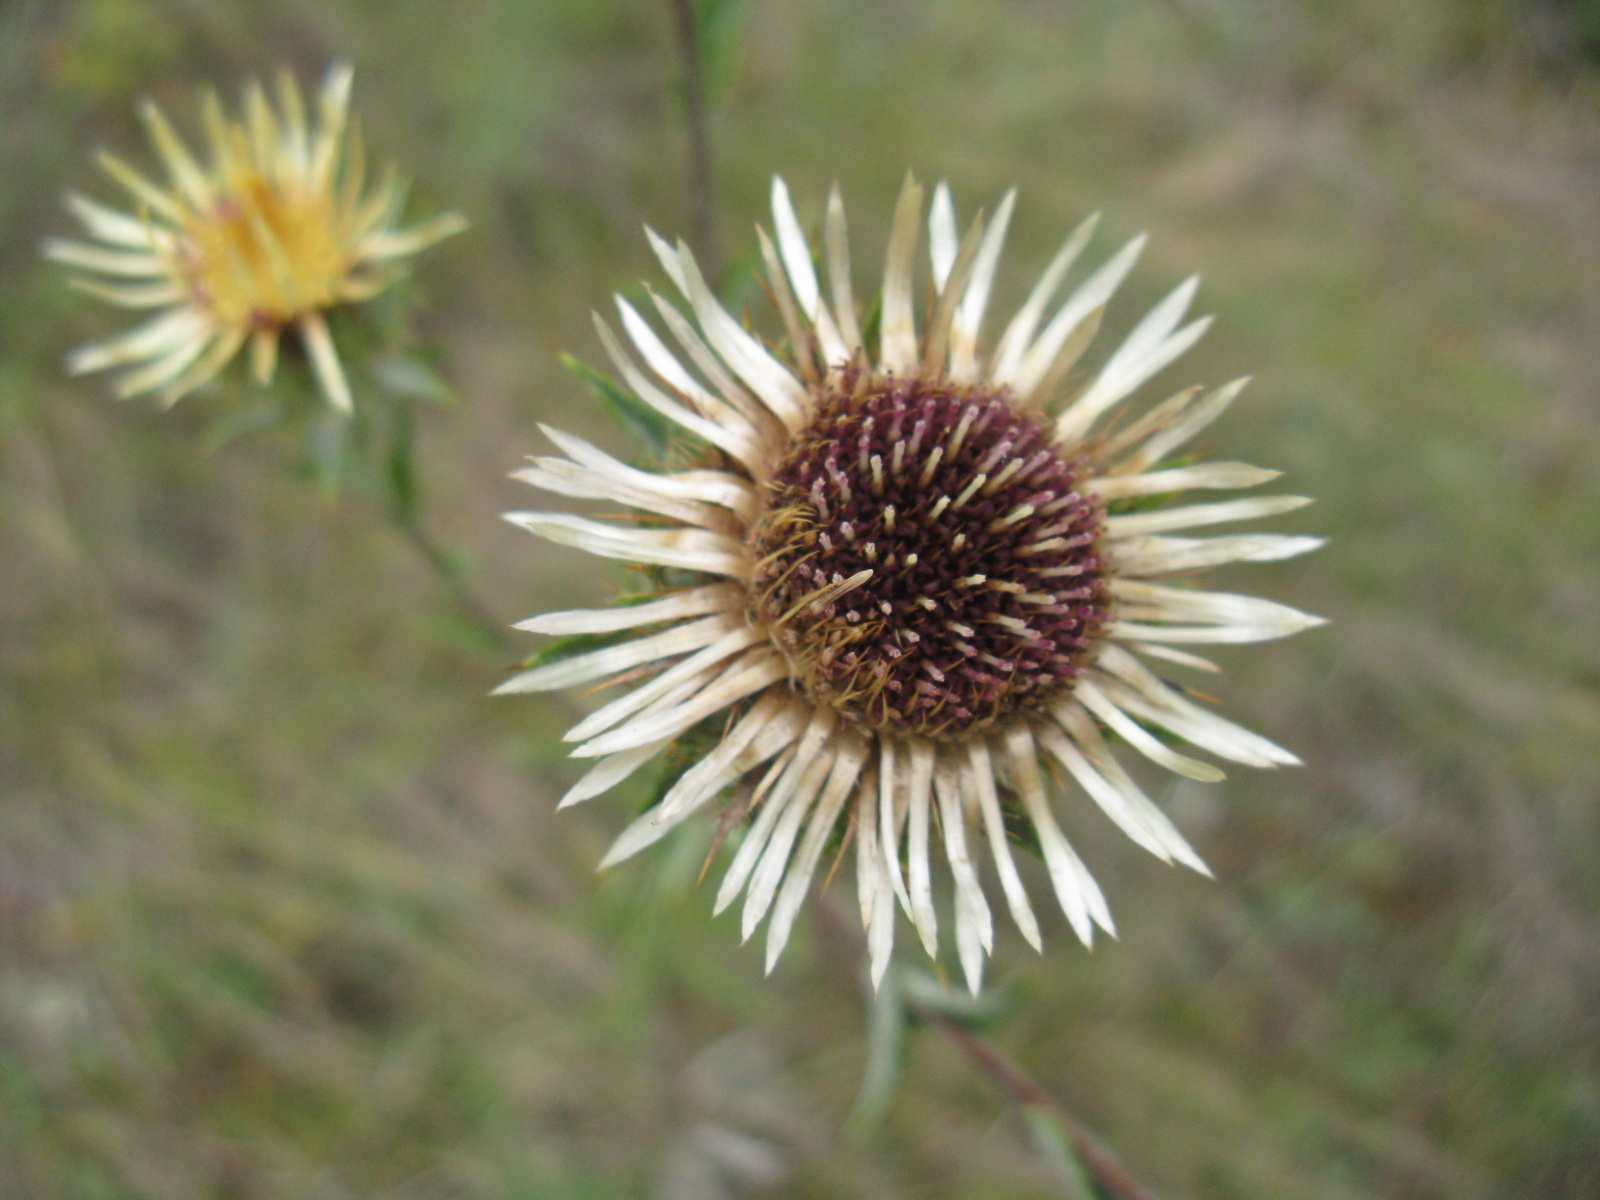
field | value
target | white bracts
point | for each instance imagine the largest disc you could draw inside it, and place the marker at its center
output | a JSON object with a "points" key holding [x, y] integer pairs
{"points": [[801, 781]]}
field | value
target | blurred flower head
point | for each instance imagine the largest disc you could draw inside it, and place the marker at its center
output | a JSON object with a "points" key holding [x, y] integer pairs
{"points": [[278, 227], [914, 584]]}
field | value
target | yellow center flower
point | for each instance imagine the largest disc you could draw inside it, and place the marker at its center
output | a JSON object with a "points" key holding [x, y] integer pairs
{"points": [[264, 254], [278, 227]]}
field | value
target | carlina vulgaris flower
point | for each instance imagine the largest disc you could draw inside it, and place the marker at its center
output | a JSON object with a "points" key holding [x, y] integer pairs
{"points": [[277, 228], [922, 584]]}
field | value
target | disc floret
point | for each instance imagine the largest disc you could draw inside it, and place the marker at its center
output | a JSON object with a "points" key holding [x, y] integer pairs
{"points": [[926, 562]]}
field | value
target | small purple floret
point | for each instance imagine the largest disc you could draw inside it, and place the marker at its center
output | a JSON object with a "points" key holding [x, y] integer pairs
{"points": [[986, 589]]}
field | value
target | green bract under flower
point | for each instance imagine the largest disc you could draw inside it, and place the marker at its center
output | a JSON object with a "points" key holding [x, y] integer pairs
{"points": [[919, 603]]}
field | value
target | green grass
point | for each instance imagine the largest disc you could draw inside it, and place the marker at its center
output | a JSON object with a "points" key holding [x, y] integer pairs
{"points": [[284, 908]]}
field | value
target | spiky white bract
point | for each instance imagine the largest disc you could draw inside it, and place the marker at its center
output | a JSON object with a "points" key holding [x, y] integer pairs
{"points": [[278, 227], [920, 591]]}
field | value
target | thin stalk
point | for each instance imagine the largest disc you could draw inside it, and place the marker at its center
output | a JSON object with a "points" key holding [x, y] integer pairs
{"points": [[702, 191], [403, 506], [449, 573], [1103, 1167]]}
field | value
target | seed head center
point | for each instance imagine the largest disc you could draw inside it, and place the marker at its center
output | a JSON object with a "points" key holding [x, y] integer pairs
{"points": [[925, 561]]}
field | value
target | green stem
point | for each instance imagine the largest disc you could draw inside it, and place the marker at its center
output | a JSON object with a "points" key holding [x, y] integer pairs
{"points": [[403, 505], [1103, 1167], [450, 575], [702, 191]]}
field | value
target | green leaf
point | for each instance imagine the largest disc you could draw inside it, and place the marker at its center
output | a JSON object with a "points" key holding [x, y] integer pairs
{"points": [[402, 467], [1133, 504], [872, 327], [410, 378], [238, 421], [581, 643], [327, 451], [1019, 827], [927, 996], [888, 1031], [634, 599], [742, 285], [573, 644], [636, 417], [692, 746], [1053, 1145], [720, 25]]}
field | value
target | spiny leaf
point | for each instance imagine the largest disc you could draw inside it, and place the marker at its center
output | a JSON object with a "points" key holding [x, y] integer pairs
{"points": [[1019, 828], [577, 643], [581, 643], [872, 327], [1133, 504], [690, 747], [636, 417]]}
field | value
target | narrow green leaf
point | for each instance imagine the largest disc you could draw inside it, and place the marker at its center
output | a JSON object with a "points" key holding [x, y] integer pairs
{"points": [[1134, 504], [1053, 1145], [872, 327], [636, 417], [239, 420], [1019, 828], [720, 25], [410, 378], [742, 285], [888, 1030], [580, 643], [690, 747], [927, 996], [402, 468], [327, 451], [577, 643]]}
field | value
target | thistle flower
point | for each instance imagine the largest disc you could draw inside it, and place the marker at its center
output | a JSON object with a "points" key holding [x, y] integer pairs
{"points": [[919, 592], [276, 229]]}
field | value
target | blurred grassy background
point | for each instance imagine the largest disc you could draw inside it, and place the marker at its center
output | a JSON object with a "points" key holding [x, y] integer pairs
{"points": [[284, 910]]}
